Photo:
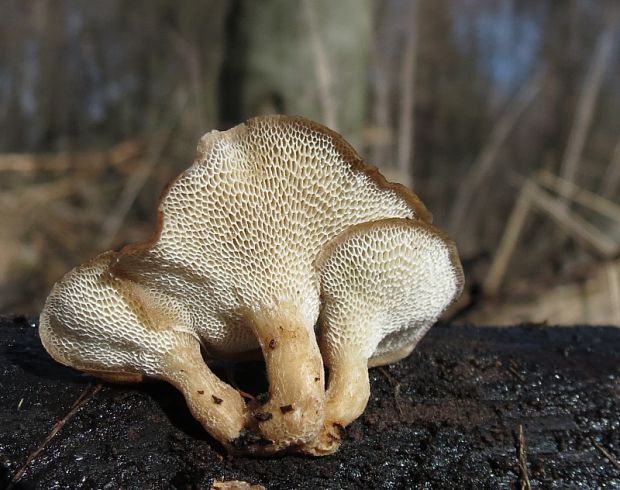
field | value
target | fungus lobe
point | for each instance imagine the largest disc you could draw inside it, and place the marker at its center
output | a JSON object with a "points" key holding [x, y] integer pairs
{"points": [[277, 238]]}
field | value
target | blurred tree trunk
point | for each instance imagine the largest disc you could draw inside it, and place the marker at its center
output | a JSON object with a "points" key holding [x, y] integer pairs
{"points": [[300, 57]]}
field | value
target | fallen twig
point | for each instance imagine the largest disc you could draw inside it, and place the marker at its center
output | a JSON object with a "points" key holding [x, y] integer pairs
{"points": [[513, 369], [524, 477], [607, 454], [85, 396]]}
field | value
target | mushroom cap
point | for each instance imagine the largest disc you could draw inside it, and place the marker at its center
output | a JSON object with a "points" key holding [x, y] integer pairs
{"points": [[383, 285], [242, 227]]}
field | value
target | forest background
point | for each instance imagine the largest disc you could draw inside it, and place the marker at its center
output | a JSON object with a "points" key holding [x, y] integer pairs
{"points": [[502, 115]]}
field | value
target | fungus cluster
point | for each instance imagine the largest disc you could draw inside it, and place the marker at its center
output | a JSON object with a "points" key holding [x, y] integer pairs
{"points": [[277, 238]]}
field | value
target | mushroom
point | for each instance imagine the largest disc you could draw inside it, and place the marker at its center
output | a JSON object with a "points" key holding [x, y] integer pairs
{"points": [[383, 284], [277, 238]]}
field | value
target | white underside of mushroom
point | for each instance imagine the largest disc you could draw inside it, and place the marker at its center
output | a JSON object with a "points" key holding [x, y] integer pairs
{"points": [[275, 223]]}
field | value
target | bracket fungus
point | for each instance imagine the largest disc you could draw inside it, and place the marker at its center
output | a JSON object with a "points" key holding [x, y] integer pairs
{"points": [[277, 238]]}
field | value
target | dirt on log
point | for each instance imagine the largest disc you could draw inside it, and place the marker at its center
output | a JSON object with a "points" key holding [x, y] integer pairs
{"points": [[470, 408]]}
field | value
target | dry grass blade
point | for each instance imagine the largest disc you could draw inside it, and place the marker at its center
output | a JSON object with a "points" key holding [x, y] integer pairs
{"points": [[587, 102], [235, 485], [136, 182], [613, 279], [470, 186], [27, 196], [575, 226], [396, 385], [29, 163], [189, 53], [579, 195], [531, 195], [33, 163], [592, 298], [321, 66], [85, 396], [611, 178], [406, 126], [524, 478], [379, 136], [509, 240]]}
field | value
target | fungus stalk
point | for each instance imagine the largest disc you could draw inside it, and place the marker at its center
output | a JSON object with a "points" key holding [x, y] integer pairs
{"points": [[346, 397], [218, 407], [348, 389], [295, 374]]}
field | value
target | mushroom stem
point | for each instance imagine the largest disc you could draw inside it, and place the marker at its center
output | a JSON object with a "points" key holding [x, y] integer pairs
{"points": [[346, 398], [348, 390], [293, 414], [216, 405]]}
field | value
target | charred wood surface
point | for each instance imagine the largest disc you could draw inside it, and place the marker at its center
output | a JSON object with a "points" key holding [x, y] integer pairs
{"points": [[449, 416]]}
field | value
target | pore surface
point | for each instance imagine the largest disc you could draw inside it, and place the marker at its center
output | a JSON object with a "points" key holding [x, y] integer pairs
{"points": [[243, 225]]}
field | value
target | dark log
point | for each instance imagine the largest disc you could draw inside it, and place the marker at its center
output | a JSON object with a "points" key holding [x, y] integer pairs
{"points": [[446, 417]]}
